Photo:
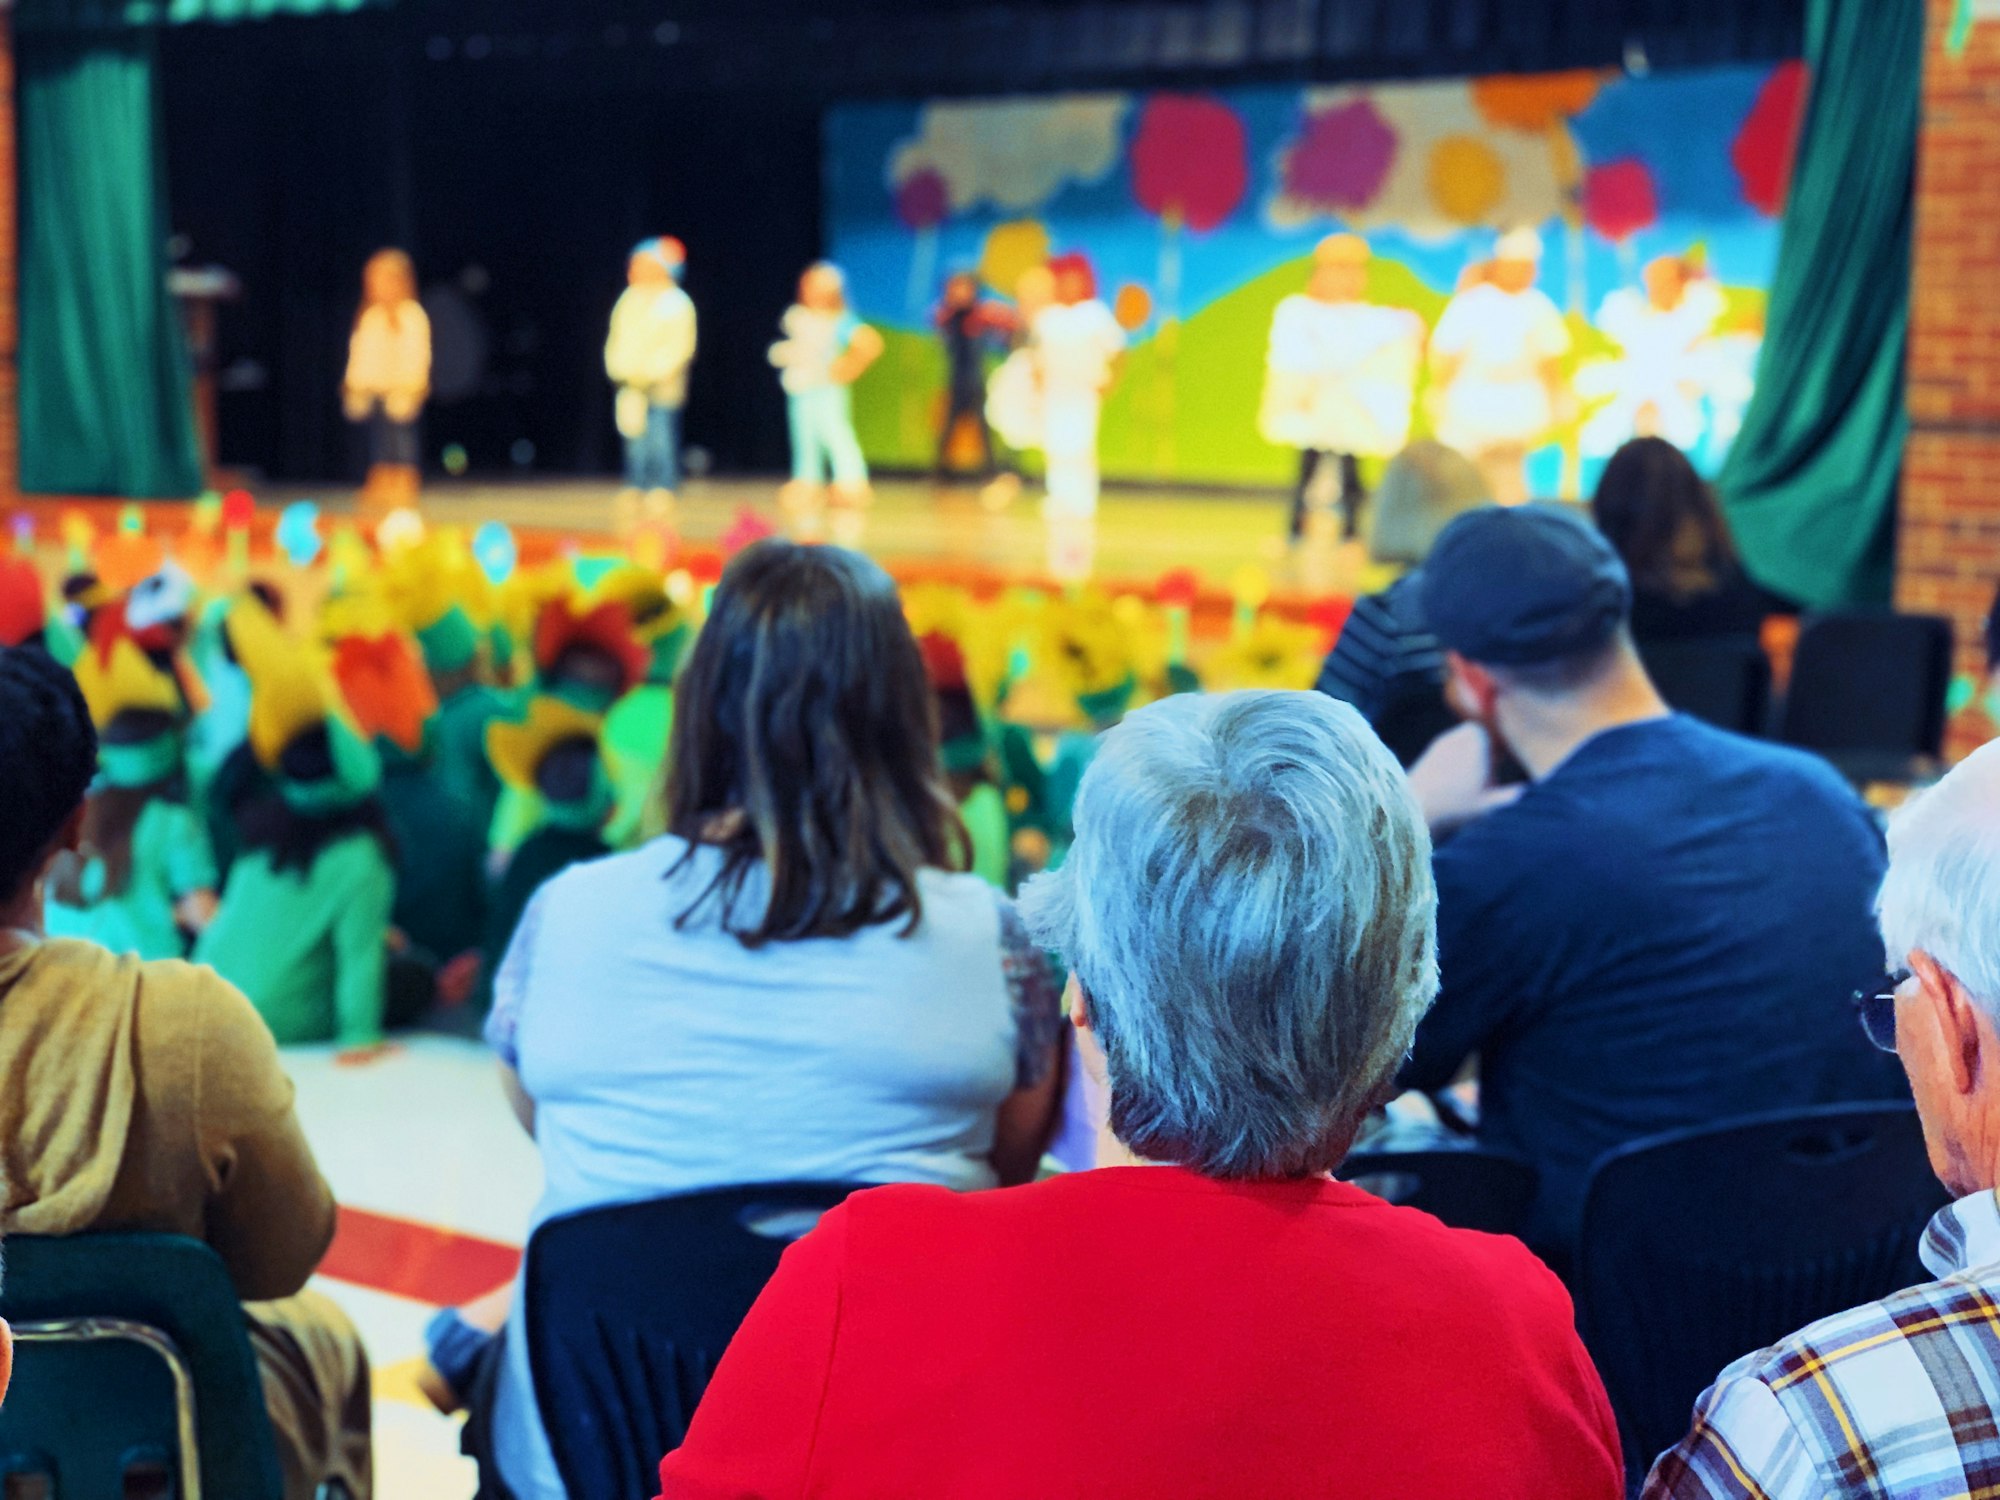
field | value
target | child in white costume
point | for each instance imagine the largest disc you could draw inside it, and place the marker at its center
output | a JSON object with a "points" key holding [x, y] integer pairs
{"points": [[1667, 361], [647, 356], [1077, 344], [1496, 354], [823, 352], [1340, 378]]}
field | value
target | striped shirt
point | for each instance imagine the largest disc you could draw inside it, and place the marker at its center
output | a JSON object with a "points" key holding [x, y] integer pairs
{"points": [[1385, 649], [1899, 1399]]}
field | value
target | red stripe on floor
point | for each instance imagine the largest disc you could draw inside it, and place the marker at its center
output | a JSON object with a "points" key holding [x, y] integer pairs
{"points": [[418, 1261]]}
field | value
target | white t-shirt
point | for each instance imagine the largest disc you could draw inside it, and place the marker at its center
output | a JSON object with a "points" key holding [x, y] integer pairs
{"points": [[666, 1060], [652, 343], [1076, 344]]}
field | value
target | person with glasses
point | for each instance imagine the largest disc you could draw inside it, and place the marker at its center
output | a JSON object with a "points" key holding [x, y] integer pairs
{"points": [[1900, 1398]]}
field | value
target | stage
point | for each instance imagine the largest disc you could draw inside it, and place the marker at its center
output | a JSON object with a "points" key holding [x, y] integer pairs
{"points": [[922, 531], [1229, 540]]}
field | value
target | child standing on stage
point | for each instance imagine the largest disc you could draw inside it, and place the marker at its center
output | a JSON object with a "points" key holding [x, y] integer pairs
{"points": [[651, 346], [389, 377], [1078, 343], [823, 352]]}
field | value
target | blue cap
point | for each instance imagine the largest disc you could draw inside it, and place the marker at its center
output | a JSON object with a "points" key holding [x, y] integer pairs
{"points": [[1521, 585]]}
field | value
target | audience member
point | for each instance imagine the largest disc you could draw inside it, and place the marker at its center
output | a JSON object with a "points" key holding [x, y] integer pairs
{"points": [[145, 877], [148, 1096], [1661, 517], [790, 984], [1901, 1398], [1662, 928], [304, 922], [1386, 662], [1247, 915]]}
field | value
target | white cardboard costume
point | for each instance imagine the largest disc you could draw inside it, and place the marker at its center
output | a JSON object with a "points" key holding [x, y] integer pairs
{"points": [[1341, 377], [1498, 399], [1666, 362]]}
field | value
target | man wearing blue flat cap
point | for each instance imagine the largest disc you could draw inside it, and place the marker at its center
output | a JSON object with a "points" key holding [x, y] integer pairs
{"points": [[1662, 927]]}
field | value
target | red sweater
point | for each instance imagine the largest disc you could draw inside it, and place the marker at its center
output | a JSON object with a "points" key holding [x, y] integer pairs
{"points": [[1145, 1332]]}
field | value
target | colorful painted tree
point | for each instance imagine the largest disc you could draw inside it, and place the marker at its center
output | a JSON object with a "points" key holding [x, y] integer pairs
{"points": [[1620, 199], [1764, 148], [1190, 170], [1340, 160], [923, 200]]}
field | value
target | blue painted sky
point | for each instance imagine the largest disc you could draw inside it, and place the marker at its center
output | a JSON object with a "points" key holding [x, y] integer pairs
{"points": [[1681, 125]]}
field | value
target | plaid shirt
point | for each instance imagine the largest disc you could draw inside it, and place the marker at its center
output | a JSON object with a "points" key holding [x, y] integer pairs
{"points": [[1899, 1399]]}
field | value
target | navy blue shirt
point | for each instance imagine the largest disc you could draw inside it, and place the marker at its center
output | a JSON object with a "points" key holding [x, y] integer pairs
{"points": [[1664, 932]]}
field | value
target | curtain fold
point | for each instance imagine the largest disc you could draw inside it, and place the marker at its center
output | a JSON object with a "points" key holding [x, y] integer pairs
{"points": [[104, 373], [70, 15], [1810, 487]]}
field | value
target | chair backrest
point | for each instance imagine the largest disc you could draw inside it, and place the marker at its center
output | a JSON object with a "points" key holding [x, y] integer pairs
{"points": [[628, 1310], [1704, 1245], [1468, 1187], [105, 1316], [1722, 680], [1869, 690]]}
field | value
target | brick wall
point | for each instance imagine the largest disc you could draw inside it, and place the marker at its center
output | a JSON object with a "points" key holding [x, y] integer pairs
{"points": [[1948, 541]]}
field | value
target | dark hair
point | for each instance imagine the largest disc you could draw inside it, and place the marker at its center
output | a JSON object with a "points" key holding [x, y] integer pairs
{"points": [[113, 812], [48, 753], [567, 770], [1661, 518], [805, 740], [294, 839]]}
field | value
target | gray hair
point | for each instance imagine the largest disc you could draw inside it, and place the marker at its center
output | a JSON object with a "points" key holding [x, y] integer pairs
{"points": [[1249, 911], [1942, 893], [1425, 488]]}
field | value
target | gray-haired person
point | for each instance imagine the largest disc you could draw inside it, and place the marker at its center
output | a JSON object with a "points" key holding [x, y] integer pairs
{"points": [[1898, 1399], [1247, 917]]}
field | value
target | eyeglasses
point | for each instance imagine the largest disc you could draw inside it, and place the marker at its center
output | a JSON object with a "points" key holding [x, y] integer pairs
{"points": [[1876, 1008]]}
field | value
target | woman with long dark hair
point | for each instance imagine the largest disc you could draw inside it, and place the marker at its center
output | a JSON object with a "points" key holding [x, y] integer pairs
{"points": [[1662, 518], [797, 981]]}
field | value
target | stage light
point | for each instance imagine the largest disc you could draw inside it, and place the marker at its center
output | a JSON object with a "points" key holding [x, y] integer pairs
{"points": [[456, 461], [522, 453]]}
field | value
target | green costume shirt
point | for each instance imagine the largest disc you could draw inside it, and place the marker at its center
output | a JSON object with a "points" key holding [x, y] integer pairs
{"points": [[985, 813], [171, 858], [309, 949]]}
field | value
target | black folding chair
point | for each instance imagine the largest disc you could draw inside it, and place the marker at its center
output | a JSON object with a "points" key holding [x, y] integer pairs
{"points": [[1468, 1187], [629, 1309], [1704, 1245], [1868, 692], [1721, 680], [134, 1374]]}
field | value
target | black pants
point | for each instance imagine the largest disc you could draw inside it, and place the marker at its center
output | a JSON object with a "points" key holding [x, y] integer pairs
{"points": [[1351, 493], [966, 401]]}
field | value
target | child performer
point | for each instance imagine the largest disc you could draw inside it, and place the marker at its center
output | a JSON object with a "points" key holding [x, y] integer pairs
{"points": [[1014, 394], [647, 357], [823, 352], [1341, 376], [967, 326], [147, 876], [1496, 367], [389, 377], [1078, 343]]}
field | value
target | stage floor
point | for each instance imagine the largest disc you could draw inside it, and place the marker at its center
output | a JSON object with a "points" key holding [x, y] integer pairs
{"points": [[920, 530]]}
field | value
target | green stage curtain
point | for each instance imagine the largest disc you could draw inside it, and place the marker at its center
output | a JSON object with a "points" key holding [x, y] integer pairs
{"points": [[72, 15], [1810, 487], [105, 407]]}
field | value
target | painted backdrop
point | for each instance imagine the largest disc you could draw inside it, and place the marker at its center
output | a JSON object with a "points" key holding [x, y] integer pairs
{"points": [[1198, 213]]}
